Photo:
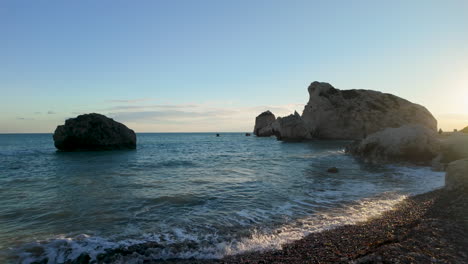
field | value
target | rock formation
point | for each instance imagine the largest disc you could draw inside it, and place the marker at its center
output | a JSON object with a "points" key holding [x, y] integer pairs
{"points": [[457, 175], [93, 132], [465, 130], [353, 114], [290, 128], [410, 143], [452, 147], [262, 124]]}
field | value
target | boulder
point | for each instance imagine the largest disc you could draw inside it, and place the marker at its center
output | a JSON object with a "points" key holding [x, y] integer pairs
{"points": [[453, 147], [290, 128], [93, 132], [410, 143], [354, 114], [457, 175], [262, 124]]}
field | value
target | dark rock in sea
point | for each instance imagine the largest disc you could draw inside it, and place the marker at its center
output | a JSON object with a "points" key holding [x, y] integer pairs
{"points": [[263, 124], [353, 114], [410, 143], [217, 135], [291, 128], [93, 132], [247, 134], [333, 170], [457, 175]]}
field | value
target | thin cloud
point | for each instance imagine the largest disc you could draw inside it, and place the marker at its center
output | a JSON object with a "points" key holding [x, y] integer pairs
{"points": [[51, 113], [159, 106], [24, 118], [130, 100]]}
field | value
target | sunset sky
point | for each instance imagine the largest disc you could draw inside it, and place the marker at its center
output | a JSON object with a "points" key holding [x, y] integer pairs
{"points": [[199, 66]]}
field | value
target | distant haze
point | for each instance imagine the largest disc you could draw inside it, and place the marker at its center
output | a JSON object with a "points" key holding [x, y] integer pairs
{"points": [[199, 66]]}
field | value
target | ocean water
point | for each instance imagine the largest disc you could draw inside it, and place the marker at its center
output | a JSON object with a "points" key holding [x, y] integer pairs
{"points": [[193, 195]]}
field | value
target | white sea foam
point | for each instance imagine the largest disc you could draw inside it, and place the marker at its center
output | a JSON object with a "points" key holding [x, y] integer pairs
{"points": [[63, 248]]}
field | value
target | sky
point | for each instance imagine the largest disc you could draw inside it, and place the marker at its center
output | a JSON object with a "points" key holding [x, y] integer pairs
{"points": [[214, 65]]}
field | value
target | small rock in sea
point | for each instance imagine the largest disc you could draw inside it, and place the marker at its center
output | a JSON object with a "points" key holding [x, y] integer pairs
{"points": [[333, 170], [247, 134], [217, 135]]}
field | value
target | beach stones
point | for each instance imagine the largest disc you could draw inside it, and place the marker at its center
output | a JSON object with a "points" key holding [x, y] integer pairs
{"points": [[93, 132], [457, 175], [263, 124], [410, 143]]}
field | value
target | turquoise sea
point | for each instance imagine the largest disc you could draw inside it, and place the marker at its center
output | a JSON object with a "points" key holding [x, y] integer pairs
{"points": [[194, 195]]}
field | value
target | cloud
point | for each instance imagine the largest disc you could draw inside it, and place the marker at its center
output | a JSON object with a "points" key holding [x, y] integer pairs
{"points": [[51, 113], [24, 118], [195, 117], [130, 100], [160, 106]]}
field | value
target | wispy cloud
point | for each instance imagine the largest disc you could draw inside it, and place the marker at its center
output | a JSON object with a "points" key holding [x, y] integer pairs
{"points": [[159, 106], [51, 113], [130, 100], [195, 117], [24, 118]]}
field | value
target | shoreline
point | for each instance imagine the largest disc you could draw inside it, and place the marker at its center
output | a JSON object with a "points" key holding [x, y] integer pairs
{"points": [[427, 228]]}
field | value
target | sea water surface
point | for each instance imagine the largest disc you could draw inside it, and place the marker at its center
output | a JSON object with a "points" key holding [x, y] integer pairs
{"points": [[194, 195]]}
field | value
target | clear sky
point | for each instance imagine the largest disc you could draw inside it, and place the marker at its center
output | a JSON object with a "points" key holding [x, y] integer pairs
{"points": [[177, 65]]}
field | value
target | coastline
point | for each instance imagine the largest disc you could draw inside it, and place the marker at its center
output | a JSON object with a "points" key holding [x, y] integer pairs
{"points": [[426, 228]]}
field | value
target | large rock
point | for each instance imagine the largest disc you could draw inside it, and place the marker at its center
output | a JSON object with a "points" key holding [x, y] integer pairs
{"points": [[93, 132], [410, 143], [465, 130], [454, 146], [263, 124], [354, 114], [457, 175], [291, 128]]}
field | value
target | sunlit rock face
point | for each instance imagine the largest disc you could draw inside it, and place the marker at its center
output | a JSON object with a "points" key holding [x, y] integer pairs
{"points": [[93, 132], [457, 175], [409, 143], [263, 124], [353, 114], [465, 130]]}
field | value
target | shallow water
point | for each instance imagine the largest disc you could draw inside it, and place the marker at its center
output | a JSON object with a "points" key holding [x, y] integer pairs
{"points": [[196, 195]]}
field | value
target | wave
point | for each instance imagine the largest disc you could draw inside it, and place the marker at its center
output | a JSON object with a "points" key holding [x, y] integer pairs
{"points": [[180, 243]]}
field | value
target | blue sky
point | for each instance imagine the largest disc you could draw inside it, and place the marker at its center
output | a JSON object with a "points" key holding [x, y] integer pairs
{"points": [[185, 65]]}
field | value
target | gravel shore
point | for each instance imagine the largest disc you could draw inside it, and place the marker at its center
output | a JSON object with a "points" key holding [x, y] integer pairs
{"points": [[427, 228]]}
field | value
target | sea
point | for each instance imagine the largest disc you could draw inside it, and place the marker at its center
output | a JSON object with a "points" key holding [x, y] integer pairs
{"points": [[189, 195]]}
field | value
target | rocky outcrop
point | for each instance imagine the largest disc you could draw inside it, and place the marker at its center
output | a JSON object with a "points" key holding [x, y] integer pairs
{"points": [[290, 128], [410, 143], [353, 114], [465, 130], [93, 132], [457, 175], [263, 124], [452, 147]]}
